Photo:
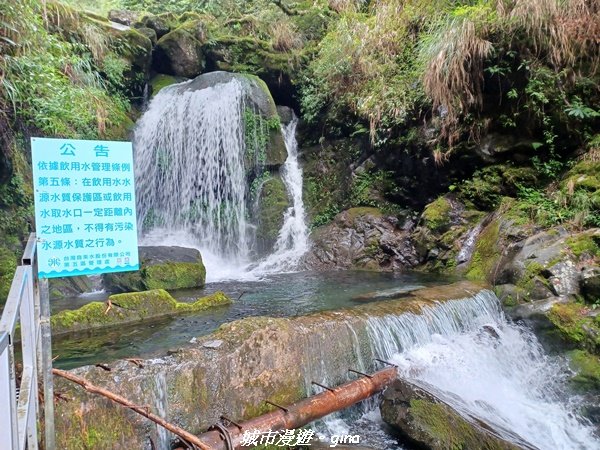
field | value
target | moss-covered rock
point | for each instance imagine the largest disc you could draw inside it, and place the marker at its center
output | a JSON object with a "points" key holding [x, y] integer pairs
{"points": [[69, 286], [437, 214], [160, 268], [587, 368], [429, 423], [577, 326], [272, 202], [486, 255], [161, 80], [179, 53], [130, 307]]}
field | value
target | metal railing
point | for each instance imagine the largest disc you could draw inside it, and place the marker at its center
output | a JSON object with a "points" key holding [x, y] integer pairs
{"points": [[19, 411]]}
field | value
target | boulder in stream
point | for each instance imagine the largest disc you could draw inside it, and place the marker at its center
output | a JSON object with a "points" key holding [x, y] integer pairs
{"points": [[161, 267], [429, 423], [129, 308]]}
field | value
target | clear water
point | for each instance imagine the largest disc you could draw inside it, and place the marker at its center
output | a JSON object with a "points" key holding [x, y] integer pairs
{"points": [[277, 295]]}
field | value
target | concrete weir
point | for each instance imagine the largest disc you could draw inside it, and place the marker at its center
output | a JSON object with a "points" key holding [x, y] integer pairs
{"points": [[233, 371]]}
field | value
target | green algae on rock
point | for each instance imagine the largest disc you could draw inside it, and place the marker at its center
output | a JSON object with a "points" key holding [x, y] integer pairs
{"points": [[130, 307], [160, 268]]}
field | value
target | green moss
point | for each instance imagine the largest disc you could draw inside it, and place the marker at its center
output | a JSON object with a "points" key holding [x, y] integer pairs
{"points": [[584, 243], [486, 253], [272, 203], [587, 367], [203, 303], [437, 214], [532, 272], [575, 326], [174, 275], [130, 307], [449, 430], [361, 211]]}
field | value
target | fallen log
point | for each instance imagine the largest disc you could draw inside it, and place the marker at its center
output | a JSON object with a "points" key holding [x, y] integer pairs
{"points": [[189, 438], [303, 412]]}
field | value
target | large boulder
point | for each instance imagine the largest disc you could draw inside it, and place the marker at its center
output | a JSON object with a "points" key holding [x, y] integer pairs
{"points": [[429, 423], [265, 144], [179, 52], [362, 238], [160, 268], [130, 307], [122, 16], [271, 204]]}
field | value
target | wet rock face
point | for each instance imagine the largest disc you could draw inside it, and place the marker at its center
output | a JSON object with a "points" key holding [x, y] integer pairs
{"points": [[362, 238], [428, 423], [160, 268], [122, 16]]}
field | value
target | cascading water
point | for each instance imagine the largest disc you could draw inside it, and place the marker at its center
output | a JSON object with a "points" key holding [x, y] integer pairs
{"points": [[292, 242], [480, 363], [190, 165], [192, 160]]}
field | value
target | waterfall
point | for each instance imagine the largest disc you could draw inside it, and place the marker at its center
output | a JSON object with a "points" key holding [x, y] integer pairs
{"points": [[472, 357], [192, 159], [292, 241]]}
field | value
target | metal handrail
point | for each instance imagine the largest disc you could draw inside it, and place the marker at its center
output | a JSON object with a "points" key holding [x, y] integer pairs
{"points": [[19, 413]]}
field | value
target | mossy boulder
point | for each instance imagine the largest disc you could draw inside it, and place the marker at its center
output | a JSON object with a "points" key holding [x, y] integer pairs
{"points": [[160, 268], [436, 215], [69, 286], [427, 422], [161, 80], [130, 307], [587, 370], [272, 203], [577, 324], [486, 254], [161, 23], [179, 52]]}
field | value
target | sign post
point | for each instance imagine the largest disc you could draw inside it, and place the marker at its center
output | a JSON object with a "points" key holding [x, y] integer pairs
{"points": [[85, 221]]}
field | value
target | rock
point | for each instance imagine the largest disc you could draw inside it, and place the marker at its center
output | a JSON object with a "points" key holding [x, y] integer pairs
{"points": [[122, 16], [386, 294], [564, 277], [362, 238], [160, 268], [259, 358], [590, 285], [161, 24], [427, 422], [213, 344], [261, 122], [494, 146], [535, 310], [285, 113], [161, 81], [578, 325], [179, 53], [69, 286], [510, 295], [130, 307], [272, 203], [149, 33]]}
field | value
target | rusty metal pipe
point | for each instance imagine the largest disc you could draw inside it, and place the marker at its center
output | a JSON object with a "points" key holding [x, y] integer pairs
{"points": [[307, 410]]}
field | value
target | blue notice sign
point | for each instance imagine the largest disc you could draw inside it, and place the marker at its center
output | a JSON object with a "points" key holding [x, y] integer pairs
{"points": [[84, 207]]}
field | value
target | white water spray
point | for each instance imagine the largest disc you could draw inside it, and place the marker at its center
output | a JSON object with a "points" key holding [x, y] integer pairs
{"points": [[468, 354]]}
